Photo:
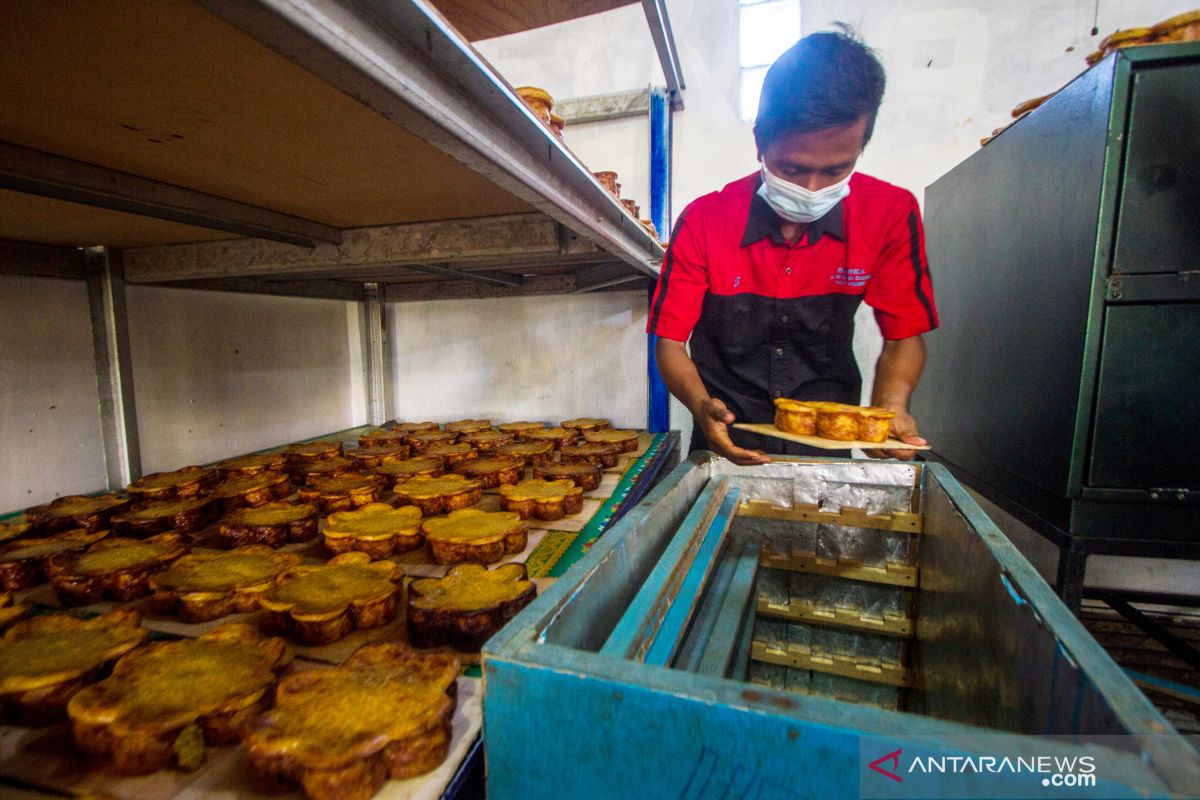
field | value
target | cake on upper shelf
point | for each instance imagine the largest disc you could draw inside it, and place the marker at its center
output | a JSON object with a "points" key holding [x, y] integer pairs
{"points": [[111, 569], [252, 464], [252, 490], [625, 441], [342, 492], [76, 511], [376, 529], [482, 537], [185, 515], [273, 524], [493, 472], [23, 562], [439, 495], [555, 436], [184, 482], [319, 604], [585, 424], [209, 584], [584, 474], [545, 500]]}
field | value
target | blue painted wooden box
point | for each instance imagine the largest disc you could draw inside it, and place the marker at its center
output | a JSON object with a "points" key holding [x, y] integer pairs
{"points": [[639, 672]]}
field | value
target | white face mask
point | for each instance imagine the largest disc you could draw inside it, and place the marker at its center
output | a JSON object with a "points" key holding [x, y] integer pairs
{"points": [[797, 204]]}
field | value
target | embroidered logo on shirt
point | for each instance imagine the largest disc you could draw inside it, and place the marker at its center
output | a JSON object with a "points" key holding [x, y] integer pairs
{"points": [[737, 281], [851, 276]]}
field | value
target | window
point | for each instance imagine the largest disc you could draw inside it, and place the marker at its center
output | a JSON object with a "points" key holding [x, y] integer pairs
{"points": [[767, 28]]}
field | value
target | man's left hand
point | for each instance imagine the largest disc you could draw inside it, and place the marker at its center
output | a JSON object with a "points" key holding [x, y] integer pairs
{"points": [[904, 428]]}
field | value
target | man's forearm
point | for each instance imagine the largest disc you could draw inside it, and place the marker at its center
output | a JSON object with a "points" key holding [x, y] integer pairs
{"points": [[679, 373], [897, 372]]}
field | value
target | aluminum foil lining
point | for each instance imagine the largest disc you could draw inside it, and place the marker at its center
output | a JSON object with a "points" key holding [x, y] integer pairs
{"points": [[862, 648], [869, 546], [876, 487]]}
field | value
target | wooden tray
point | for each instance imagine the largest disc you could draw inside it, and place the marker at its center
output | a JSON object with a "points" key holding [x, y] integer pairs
{"points": [[826, 444]]}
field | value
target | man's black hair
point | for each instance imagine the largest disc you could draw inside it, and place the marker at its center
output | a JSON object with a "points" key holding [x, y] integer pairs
{"points": [[825, 79]]}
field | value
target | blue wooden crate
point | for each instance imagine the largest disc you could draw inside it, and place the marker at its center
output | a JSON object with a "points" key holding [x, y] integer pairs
{"points": [[626, 677]]}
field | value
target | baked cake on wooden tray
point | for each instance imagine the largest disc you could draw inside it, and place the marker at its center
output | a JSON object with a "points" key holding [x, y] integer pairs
{"points": [[556, 436], [493, 472], [423, 440], [439, 495], [252, 490], [340, 733], [451, 455], [419, 467], [184, 515], [584, 474], [585, 424], [273, 524], [208, 584], [112, 569], [542, 499], [319, 604], [343, 492], [531, 452], [464, 426], [252, 465], [470, 535], [301, 452], [519, 430], [624, 440], [44, 661], [76, 511], [370, 456], [328, 468], [376, 529], [466, 607], [602, 455], [487, 442], [165, 702], [379, 436], [23, 562], [414, 427], [185, 482]]}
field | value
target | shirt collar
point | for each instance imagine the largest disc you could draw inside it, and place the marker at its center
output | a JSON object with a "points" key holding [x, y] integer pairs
{"points": [[763, 222]]}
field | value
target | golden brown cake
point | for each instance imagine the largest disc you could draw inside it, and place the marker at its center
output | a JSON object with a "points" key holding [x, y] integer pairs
{"points": [[557, 125], [328, 468], [545, 500], [343, 492], [624, 440], [274, 525], [475, 536], [1021, 109], [252, 465], [519, 429], [795, 416], [302, 452], [414, 427], [875, 424], [539, 101], [584, 475], [319, 604], [10, 612], [186, 482], [419, 467], [252, 490], [376, 529], [13, 530], [837, 421], [468, 606], [464, 426], [23, 562], [75, 511], [372, 456], [492, 472], [184, 515], [423, 440], [531, 452], [608, 179], [47, 659], [340, 733], [486, 442], [165, 702], [209, 584], [451, 455], [602, 455], [113, 569], [1130, 37], [1179, 28], [585, 424], [378, 436], [555, 436], [439, 495]]}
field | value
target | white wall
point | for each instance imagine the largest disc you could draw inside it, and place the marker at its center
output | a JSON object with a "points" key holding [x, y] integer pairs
{"points": [[955, 70], [49, 414], [539, 358], [220, 374]]}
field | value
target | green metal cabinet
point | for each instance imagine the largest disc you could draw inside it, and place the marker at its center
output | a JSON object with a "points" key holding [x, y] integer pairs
{"points": [[1065, 381]]}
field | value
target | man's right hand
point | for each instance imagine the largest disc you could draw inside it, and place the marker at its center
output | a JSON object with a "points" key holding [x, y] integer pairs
{"points": [[714, 419]]}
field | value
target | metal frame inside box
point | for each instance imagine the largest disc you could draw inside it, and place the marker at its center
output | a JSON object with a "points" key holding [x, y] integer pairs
{"points": [[625, 678]]}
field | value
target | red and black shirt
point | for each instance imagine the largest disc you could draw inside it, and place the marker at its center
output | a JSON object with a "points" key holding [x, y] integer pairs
{"points": [[771, 319]]}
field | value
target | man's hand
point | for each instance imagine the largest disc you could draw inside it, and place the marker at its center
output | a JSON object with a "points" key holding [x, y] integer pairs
{"points": [[714, 419], [904, 428]]}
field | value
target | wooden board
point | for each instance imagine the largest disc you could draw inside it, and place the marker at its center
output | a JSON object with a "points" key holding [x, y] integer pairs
{"points": [[826, 444], [478, 21]]}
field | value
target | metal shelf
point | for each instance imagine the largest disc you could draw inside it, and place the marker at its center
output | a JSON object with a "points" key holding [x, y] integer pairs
{"points": [[341, 143]]}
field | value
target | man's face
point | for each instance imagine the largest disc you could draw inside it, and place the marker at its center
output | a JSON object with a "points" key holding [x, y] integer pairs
{"points": [[816, 159]]}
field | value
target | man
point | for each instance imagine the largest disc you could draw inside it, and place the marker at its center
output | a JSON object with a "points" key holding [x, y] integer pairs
{"points": [[765, 275]]}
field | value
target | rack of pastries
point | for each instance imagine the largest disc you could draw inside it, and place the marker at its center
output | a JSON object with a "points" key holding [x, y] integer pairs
{"points": [[303, 619]]}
